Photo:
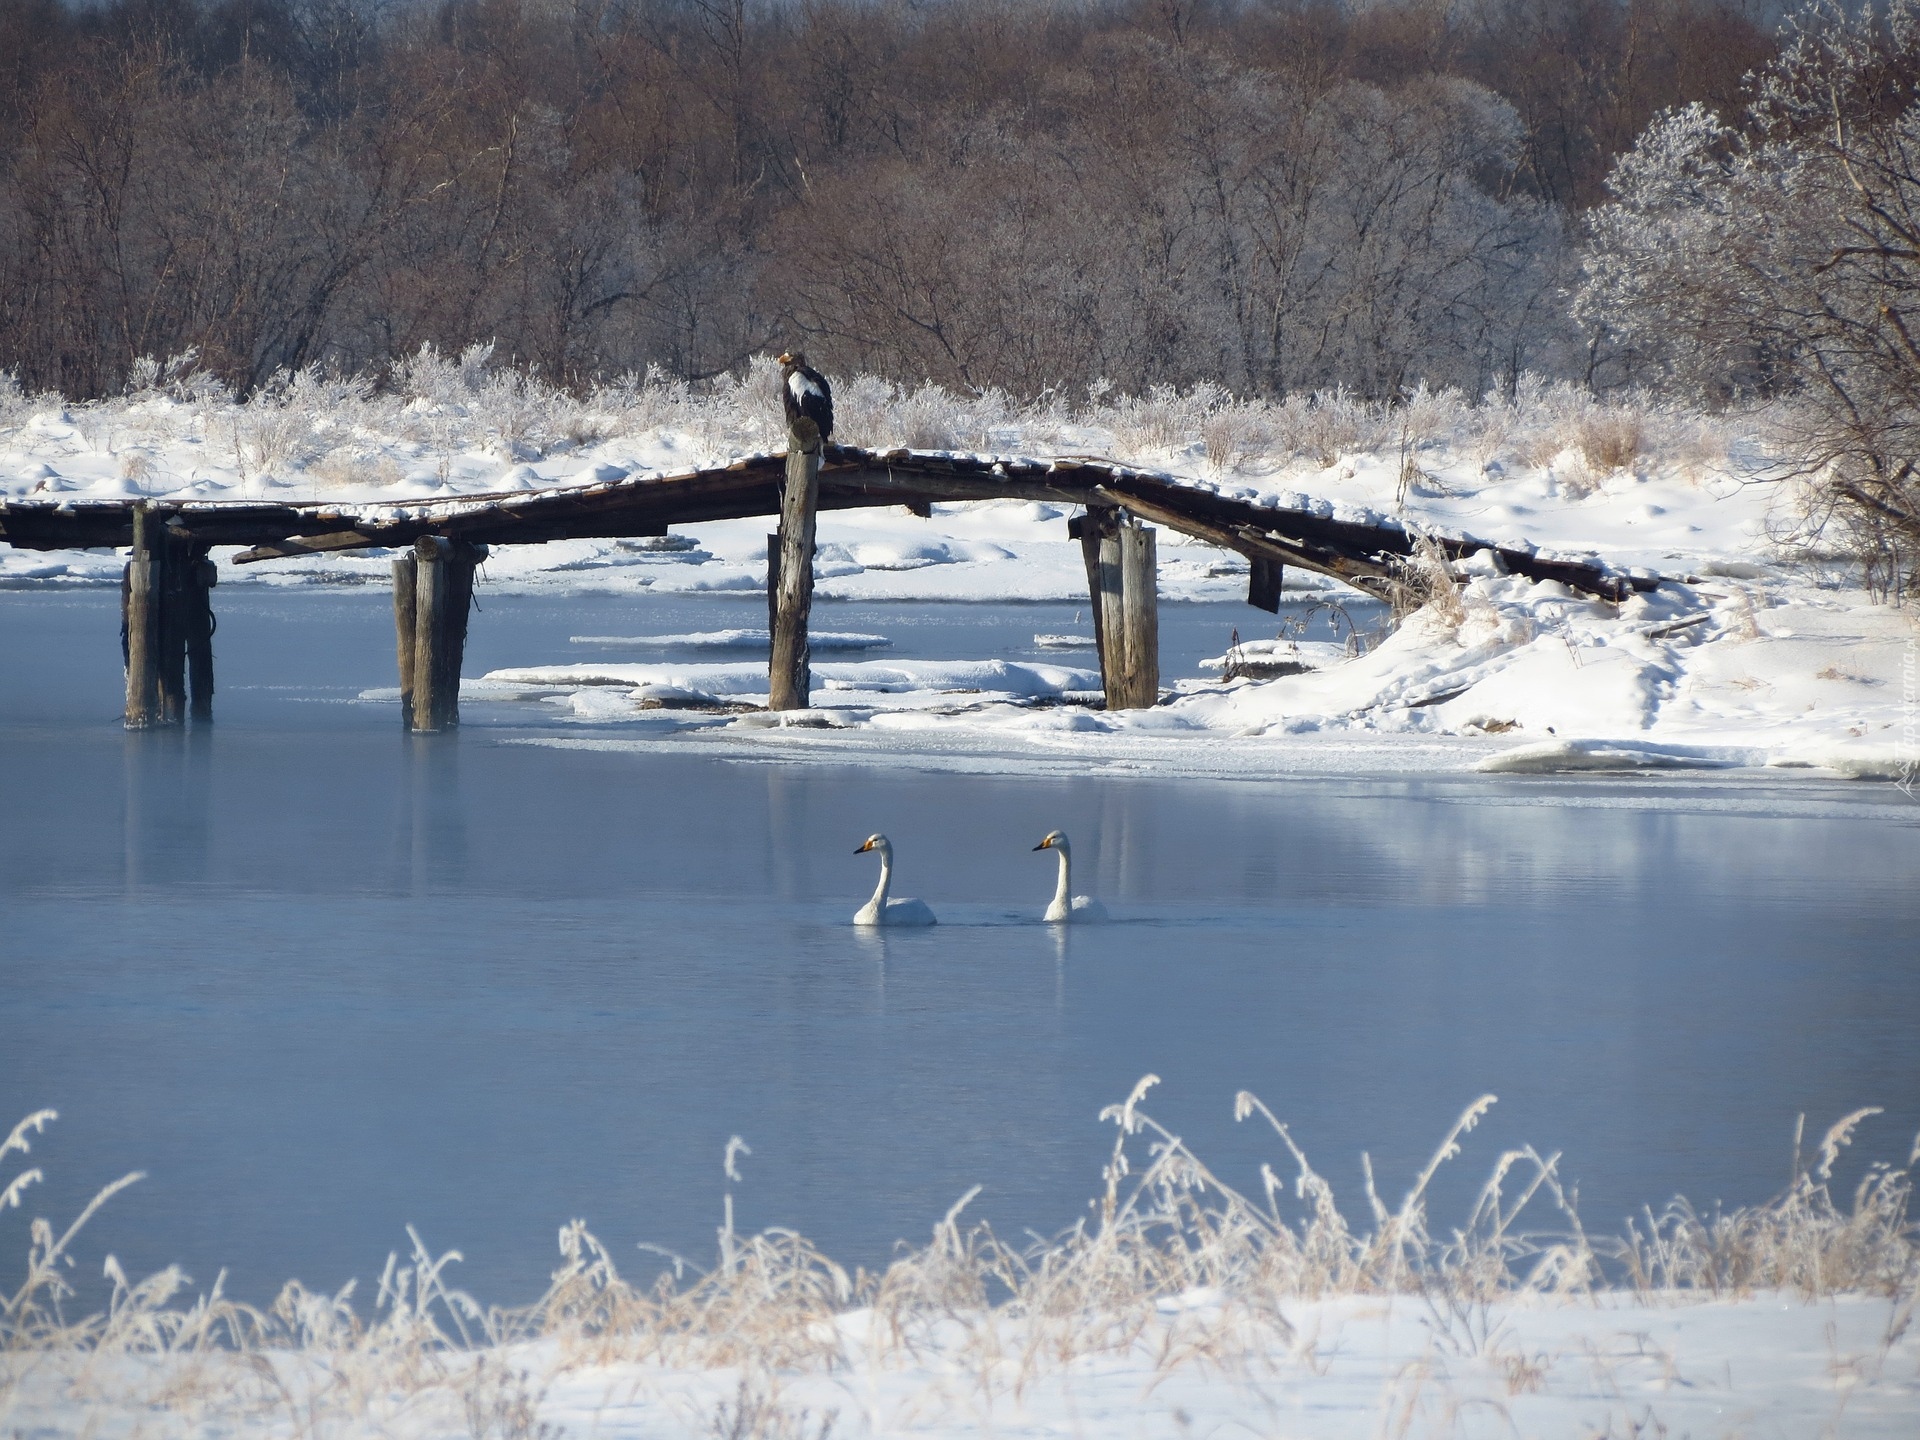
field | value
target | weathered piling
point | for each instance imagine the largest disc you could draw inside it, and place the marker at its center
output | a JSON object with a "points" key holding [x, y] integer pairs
{"points": [[1089, 529], [790, 677], [1264, 579], [1140, 609], [175, 553], [1123, 588], [202, 576], [773, 588], [166, 625], [432, 596], [429, 632], [1109, 602], [140, 622], [404, 620]]}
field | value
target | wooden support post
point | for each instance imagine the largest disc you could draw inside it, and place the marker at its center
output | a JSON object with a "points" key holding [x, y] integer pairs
{"points": [[140, 622], [1264, 582], [790, 679], [442, 596], [429, 633], [1140, 607], [1110, 603], [176, 573], [773, 589], [403, 631], [1091, 529], [460, 567], [202, 576]]}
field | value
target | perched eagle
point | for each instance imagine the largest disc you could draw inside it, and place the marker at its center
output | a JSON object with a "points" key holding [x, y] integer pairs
{"points": [[805, 394]]}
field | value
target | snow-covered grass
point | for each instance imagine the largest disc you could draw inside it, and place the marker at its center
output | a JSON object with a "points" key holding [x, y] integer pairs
{"points": [[463, 423], [1178, 1305]]}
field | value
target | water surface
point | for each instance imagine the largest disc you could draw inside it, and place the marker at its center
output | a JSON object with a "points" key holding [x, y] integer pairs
{"points": [[322, 981]]}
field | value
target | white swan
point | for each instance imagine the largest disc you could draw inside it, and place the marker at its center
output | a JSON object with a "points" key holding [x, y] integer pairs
{"points": [[1079, 907], [880, 910]]}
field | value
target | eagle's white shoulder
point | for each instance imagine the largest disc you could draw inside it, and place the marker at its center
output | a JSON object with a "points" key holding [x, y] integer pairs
{"points": [[801, 386]]}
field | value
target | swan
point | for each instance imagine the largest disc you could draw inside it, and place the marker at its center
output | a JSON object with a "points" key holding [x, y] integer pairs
{"points": [[880, 910], [1080, 907]]}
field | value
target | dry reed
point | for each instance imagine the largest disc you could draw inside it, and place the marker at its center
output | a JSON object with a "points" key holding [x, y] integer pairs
{"points": [[1163, 1228]]}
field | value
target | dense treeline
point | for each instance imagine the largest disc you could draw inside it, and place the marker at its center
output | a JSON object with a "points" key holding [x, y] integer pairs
{"points": [[1274, 195]]}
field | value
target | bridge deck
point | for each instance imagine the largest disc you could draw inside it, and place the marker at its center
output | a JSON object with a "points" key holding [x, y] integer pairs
{"points": [[1362, 550]]}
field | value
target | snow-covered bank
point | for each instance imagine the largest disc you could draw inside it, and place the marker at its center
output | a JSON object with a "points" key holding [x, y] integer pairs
{"points": [[1748, 657], [1767, 1367], [1180, 1306], [1517, 677]]}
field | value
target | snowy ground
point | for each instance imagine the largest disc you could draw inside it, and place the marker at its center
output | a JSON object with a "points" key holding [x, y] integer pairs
{"points": [[1773, 1367]]}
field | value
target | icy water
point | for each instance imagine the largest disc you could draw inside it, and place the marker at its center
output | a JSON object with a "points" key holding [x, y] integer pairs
{"points": [[321, 982]]}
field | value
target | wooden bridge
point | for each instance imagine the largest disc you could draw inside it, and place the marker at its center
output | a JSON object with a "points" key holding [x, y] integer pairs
{"points": [[166, 593]]}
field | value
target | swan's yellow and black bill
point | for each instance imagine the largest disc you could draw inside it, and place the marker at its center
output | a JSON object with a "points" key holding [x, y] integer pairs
{"points": [[868, 845], [1044, 845]]}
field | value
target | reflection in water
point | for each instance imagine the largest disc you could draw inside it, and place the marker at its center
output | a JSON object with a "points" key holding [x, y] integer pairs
{"points": [[433, 830], [166, 809]]}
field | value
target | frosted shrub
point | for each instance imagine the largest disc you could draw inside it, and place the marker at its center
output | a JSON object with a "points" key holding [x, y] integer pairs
{"points": [[1163, 419], [1332, 423], [294, 420], [1234, 432], [340, 427], [178, 377], [15, 404]]}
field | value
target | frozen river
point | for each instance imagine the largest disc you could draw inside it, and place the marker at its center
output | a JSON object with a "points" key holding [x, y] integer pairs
{"points": [[322, 982]]}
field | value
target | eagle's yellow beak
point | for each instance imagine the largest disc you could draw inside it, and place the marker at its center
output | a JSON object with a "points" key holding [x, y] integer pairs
{"points": [[786, 358]]}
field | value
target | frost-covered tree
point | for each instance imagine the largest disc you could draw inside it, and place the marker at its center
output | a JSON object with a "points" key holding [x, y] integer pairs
{"points": [[1781, 257]]}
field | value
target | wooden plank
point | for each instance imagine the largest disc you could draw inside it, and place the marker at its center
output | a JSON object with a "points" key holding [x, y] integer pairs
{"points": [[142, 625], [1364, 575], [298, 545], [1139, 583], [790, 679], [1361, 554], [404, 627]]}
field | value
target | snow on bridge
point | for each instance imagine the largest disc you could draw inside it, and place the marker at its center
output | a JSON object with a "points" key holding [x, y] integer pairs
{"points": [[1360, 547], [167, 612]]}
